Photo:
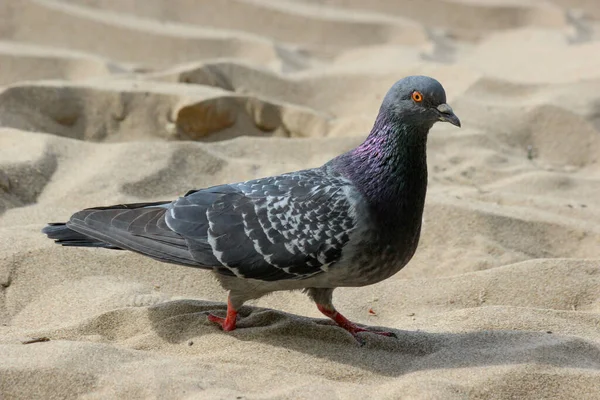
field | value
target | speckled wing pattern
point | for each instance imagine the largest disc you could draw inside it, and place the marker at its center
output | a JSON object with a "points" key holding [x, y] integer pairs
{"points": [[290, 226]]}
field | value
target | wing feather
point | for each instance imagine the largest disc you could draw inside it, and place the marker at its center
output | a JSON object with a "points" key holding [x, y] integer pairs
{"points": [[285, 227]]}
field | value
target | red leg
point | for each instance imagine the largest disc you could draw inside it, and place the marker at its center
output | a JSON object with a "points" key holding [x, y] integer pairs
{"points": [[347, 324], [227, 323]]}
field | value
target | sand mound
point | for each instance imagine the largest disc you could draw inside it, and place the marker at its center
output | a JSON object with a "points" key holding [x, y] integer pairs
{"points": [[27, 62], [105, 102], [127, 110]]}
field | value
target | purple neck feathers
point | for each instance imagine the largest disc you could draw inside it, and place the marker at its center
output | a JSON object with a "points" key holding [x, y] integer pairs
{"points": [[390, 170]]}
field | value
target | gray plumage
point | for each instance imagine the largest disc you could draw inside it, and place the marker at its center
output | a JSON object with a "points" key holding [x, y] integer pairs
{"points": [[351, 222]]}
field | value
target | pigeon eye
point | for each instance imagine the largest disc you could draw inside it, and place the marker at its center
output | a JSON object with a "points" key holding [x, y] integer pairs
{"points": [[417, 97]]}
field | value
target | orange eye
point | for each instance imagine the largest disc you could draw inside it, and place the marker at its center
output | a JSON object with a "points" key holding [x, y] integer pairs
{"points": [[417, 97]]}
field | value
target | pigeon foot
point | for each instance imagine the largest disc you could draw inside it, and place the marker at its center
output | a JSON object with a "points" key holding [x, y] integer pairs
{"points": [[229, 322], [350, 326]]}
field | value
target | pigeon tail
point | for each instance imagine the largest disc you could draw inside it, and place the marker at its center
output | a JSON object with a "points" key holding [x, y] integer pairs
{"points": [[63, 235]]}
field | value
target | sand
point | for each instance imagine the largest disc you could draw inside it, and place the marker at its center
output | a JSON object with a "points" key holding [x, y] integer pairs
{"points": [[114, 101]]}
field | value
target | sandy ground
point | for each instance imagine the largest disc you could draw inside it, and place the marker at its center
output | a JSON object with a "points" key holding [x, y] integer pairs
{"points": [[109, 101]]}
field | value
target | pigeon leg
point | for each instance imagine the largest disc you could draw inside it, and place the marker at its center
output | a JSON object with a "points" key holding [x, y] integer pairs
{"points": [[227, 323], [323, 298], [348, 325]]}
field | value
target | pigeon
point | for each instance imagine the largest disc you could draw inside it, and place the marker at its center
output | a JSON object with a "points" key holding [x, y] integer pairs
{"points": [[354, 221]]}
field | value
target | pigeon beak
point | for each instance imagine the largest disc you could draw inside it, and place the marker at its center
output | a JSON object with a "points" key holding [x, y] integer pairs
{"points": [[447, 115]]}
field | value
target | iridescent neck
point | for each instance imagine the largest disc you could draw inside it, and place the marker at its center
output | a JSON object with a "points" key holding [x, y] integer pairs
{"points": [[390, 169]]}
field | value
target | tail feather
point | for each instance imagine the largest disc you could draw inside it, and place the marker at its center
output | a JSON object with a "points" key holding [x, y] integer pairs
{"points": [[63, 235], [138, 227]]}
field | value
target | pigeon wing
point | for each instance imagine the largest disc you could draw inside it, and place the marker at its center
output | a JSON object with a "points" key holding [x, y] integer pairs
{"points": [[290, 226]]}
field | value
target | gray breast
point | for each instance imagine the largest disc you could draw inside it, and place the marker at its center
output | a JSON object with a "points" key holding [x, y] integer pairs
{"points": [[373, 254]]}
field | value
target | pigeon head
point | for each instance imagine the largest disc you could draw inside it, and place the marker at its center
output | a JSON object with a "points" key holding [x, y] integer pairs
{"points": [[419, 101], [390, 167]]}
